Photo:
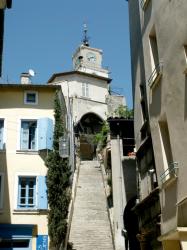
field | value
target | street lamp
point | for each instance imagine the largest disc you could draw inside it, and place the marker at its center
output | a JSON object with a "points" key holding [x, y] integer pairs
{"points": [[64, 147]]}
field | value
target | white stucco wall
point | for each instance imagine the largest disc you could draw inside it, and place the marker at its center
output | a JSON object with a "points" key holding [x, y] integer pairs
{"points": [[80, 105], [167, 99]]}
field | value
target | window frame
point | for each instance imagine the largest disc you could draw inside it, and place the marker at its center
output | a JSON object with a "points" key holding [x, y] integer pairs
{"points": [[26, 196], [25, 175], [30, 92], [41, 201], [36, 134]]}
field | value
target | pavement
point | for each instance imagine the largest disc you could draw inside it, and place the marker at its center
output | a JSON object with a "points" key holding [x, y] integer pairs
{"points": [[90, 227]]}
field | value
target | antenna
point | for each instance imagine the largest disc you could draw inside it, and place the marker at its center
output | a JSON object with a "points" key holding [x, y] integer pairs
{"points": [[85, 38], [31, 72]]}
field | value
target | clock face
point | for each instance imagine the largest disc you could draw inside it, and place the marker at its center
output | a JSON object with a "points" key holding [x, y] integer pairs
{"points": [[91, 57]]}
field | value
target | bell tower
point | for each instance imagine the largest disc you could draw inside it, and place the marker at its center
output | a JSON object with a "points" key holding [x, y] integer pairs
{"points": [[87, 59]]}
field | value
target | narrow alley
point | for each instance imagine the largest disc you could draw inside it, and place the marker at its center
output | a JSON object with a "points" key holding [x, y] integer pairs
{"points": [[90, 228]]}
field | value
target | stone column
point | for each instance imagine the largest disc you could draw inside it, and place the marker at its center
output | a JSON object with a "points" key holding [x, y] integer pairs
{"points": [[118, 188]]}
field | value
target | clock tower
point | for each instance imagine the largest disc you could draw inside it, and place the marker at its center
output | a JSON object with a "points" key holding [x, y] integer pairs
{"points": [[89, 60], [85, 89]]}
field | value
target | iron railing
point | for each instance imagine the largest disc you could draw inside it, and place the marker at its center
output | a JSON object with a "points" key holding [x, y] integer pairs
{"points": [[144, 3], [172, 171], [157, 72]]}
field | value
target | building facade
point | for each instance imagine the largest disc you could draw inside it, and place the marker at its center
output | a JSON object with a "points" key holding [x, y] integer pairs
{"points": [[26, 136], [158, 51]]}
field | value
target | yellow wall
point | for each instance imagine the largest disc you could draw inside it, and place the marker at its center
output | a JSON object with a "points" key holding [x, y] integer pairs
{"points": [[12, 162]]}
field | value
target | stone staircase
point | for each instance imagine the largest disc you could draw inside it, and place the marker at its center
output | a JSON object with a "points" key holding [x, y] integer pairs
{"points": [[90, 228]]}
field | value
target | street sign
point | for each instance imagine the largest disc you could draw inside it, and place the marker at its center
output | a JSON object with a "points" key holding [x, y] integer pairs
{"points": [[42, 242]]}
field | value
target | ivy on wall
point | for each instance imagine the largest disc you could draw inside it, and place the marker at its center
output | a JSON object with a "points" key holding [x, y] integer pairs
{"points": [[58, 185]]}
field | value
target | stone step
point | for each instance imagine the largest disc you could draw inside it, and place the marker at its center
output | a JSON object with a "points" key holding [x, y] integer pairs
{"points": [[90, 228]]}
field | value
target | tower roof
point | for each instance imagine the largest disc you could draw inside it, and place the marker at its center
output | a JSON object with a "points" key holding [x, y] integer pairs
{"points": [[60, 74]]}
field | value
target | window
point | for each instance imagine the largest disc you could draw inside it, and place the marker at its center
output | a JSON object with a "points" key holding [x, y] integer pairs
{"points": [[156, 64], [1, 189], [14, 244], [143, 102], [31, 97], [154, 49], [28, 135], [185, 52], [85, 90], [16, 236], [27, 192], [1, 134], [169, 166], [36, 134], [165, 143], [32, 192]]}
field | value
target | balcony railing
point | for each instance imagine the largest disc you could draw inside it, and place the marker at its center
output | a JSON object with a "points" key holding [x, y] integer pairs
{"points": [[171, 172], [156, 74], [144, 3]]}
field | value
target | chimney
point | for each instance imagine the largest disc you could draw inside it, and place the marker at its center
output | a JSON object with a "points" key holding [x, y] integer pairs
{"points": [[25, 78]]}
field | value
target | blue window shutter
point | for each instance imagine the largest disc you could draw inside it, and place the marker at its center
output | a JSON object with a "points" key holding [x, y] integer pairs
{"points": [[45, 133], [50, 134], [19, 192], [42, 132], [42, 193]]}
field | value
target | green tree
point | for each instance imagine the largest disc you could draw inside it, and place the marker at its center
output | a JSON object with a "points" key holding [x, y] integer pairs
{"points": [[124, 111], [58, 185], [101, 137]]}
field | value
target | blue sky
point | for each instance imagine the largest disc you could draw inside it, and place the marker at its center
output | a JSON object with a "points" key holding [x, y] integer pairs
{"points": [[43, 34]]}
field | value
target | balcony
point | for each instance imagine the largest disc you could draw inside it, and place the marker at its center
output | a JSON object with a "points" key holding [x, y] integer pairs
{"points": [[144, 3], [155, 75], [170, 174]]}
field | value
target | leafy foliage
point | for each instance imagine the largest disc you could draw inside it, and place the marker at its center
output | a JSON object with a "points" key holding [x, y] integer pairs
{"points": [[124, 111], [58, 185], [101, 137]]}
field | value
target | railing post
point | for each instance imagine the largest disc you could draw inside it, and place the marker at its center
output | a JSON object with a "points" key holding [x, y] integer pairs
{"points": [[172, 170]]}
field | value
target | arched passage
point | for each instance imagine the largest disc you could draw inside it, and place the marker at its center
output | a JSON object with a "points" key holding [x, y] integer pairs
{"points": [[89, 125]]}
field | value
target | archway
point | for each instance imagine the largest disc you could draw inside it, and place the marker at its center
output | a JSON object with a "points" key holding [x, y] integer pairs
{"points": [[89, 125]]}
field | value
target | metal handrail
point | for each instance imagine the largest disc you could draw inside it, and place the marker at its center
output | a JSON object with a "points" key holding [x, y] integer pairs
{"points": [[172, 170], [94, 67], [143, 3], [157, 71]]}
